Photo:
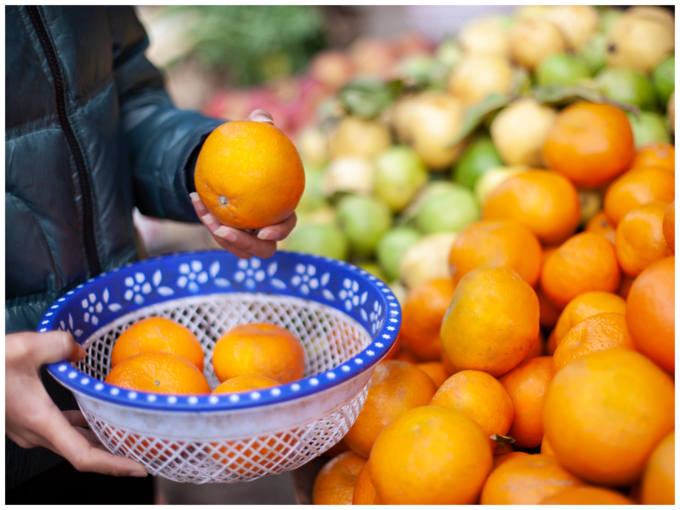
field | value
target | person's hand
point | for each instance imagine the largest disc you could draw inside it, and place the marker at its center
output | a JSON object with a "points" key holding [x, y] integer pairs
{"points": [[32, 418], [244, 244]]}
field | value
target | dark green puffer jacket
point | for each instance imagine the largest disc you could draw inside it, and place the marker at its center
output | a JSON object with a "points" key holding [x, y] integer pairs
{"points": [[90, 134]]}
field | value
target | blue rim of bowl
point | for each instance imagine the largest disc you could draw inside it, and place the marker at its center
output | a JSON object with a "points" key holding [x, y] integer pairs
{"points": [[79, 382]]}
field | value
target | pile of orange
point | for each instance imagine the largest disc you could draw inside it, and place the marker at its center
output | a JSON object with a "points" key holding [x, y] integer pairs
{"points": [[596, 400]]}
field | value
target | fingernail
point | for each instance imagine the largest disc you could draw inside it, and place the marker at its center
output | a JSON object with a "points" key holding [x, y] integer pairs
{"points": [[194, 197], [263, 118], [268, 235], [226, 233], [208, 218], [139, 474]]}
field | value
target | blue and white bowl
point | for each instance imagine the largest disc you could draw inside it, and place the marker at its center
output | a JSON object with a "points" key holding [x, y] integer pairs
{"points": [[346, 319]]}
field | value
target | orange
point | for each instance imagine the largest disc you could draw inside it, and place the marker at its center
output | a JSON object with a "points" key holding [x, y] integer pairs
{"points": [[496, 243], [503, 448], [546, 449], [407, 357], [159, 372], [245, 383], [626, 284], [255, 457], [527, 480], [158, 334], [650, 313], [492, 321], [659, 154], [545, 202], [548, 311], [551, 345], [448, 366], [395, 388], [259, 349], [430, 456], [336, 449], [639, 238], [526, 385], [658, 480], [596, 333], [586, 262], [499, 460], [637, 187], [599, 224], [364, 490], [669, 226], [481, 398], [587, 496], [590, 143], [249, 175], [538, 349], [435, 371], [422, 317], [586, 305], [334, 485], [605, 413]]}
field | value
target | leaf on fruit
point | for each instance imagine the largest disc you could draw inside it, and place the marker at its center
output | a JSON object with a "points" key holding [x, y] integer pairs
{"points": [[567, 94], [475, 115]]}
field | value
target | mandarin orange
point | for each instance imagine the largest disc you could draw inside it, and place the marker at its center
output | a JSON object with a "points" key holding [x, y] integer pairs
{"points": [[335, 483], [586, 305], [364, 490], [658, 480], [637, 187], [587, 496], [669, 226], [435, 371], [659, 154], [599, 224], [245, 383]]}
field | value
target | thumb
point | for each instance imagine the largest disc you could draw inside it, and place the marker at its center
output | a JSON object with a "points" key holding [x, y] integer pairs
{"points": [[53, 347]]}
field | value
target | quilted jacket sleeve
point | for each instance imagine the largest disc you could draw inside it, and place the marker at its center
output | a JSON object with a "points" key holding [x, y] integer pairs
{"points": [[162, 140]]}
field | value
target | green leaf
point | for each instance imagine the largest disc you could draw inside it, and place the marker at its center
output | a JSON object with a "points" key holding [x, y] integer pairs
{"points": [[567, 94], [475, 115]]}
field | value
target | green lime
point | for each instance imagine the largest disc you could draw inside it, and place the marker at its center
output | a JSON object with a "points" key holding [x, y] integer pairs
{"points": [[363, 219], [561, 69], [448, 211], [663, 78], [313, 197], [392, 246], [594, 54], [627, 86], [323, 240], [608, 15], [650, 127], [479, 156]]}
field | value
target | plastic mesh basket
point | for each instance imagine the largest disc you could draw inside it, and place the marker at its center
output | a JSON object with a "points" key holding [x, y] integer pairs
{"points": [[346, 319]]}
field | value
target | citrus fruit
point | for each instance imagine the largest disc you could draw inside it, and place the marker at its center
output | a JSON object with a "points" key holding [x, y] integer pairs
{"points": [[538, 349], [158, 334], [639, 238], [577, 23], [590, 143], [496, 243], [658, 480], [336, 449], [533, 40], [399, 174], [245, 383], [650, 313], [604, 414], [586, 262], [561, 69], [526, 385], [265, 350], [648, 127], [249, 175], [499, 460], [479, 156], [669, 226], [586, 305], [318, 239], [353, 136], [546, 449], [477, 76], [392, 247], [626, 283], [364, 490], [596, 333], [594, 53], [663, 78], [159, 372], [430, 455], [334, 485], [395, 388], [481, 398], [363, 219], [422, 317], [549, 312], [435, 371], [491, 322], [599, 224], [448, 211], [407, 357], [658, 154], [527, 480], [627, 86], [551, 344], [637, 187], [587, 496]]}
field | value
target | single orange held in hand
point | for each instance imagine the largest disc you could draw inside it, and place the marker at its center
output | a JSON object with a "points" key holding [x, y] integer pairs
{"points": [[395, 388], [364, 490], [526, 385], [481, 398], [590, 143], [249, 175], [659, 154], [159, 372], [545, 202], [430, 456], [245, 383], [637, 187], [658, 480], [435, 371], [334, 485], [599, 224], [584, 263], [586, 305], [496, 243], [527, 480], [158, 334], [259, 349], [492, 321], [587, 496], [596, 333], [669, 226], [422, 317], [604, 414], [650, 313]]}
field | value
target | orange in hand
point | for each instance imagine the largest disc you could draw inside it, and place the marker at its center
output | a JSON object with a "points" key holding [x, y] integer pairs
{"points": [[245, 383], [249, 175], [586, 262], [545, 202], [590, 143], [158, 334], [334, 485], [496, 243], [586, 305], [637, 187], [659, 154], [259, 349]]}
